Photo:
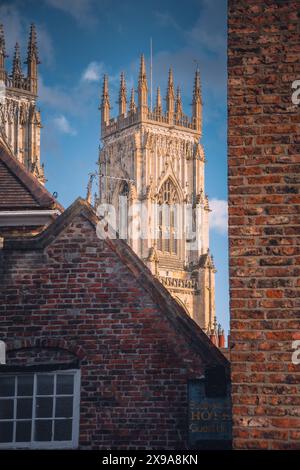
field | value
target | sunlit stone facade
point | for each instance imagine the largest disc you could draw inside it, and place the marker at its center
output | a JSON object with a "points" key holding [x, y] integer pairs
{"points": [[151, 169]]}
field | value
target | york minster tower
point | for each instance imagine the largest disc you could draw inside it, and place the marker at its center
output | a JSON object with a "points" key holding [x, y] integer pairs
{"points": [[20, 120], [153, 160]]}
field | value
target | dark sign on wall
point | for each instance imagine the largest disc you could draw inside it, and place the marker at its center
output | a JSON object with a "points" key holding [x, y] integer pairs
{"points": [[210, 419]]}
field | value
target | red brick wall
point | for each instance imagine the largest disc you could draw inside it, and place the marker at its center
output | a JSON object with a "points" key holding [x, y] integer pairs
{"points": [[78, 298], [264, 222]]}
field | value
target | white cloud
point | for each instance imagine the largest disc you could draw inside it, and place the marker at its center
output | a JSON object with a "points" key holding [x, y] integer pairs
{"points": [[219, 215], [63, 125], [80, 10], [77, 100], [93, 72], [56, 97]]}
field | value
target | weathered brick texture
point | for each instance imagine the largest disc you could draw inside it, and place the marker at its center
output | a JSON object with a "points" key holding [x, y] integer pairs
{"points": [[264, 221], [77, 298]]}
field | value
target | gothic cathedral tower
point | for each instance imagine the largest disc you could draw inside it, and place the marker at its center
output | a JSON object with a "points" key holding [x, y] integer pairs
{"points": [[20, 120], [154, 161]]}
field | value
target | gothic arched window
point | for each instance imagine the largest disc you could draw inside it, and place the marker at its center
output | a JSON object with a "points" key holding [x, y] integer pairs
{"points": [[168, 204]]}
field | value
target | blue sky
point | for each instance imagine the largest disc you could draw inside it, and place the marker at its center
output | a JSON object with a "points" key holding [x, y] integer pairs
{"points": [[79, 40]]}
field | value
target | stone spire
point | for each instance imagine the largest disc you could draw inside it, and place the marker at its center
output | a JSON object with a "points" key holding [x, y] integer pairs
{"points": [[122, 96], [158, 104], [32, 60], [105, 104], [132, 105], [2, 54], [197, 103], [142, 73], [178, 107], [170, 99], [143, 89], [17, 74]]}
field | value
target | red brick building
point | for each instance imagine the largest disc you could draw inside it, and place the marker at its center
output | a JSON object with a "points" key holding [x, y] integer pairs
{"points": [[98, 353], [264, 222]]}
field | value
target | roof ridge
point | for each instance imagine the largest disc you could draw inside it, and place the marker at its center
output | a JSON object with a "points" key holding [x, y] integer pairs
{"points": [[46, 236]]}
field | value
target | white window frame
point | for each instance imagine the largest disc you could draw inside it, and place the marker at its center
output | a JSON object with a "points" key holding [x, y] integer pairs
{"points": [[73, 443]]}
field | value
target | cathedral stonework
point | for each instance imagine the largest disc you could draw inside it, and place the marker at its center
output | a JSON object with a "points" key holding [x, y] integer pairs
{"points": [[20, 120], [154, 160]]}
